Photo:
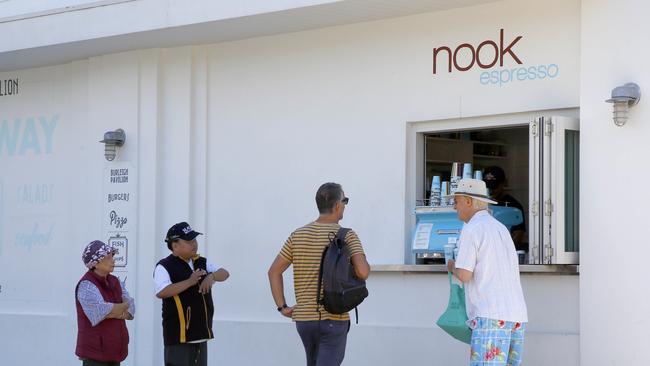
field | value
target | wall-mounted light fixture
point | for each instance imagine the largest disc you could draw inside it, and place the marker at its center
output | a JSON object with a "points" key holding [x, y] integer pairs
{"points": [[624, 97], [112, 140]]}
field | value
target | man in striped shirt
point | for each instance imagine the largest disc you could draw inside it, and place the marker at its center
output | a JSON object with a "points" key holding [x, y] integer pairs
{"points": [[323, 335]]}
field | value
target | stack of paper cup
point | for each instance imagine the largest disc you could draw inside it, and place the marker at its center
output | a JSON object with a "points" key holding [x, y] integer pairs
{"points": [[456, 169], [444, 191], [434, 199], [478, 175], [467, 170], [456, 175]]}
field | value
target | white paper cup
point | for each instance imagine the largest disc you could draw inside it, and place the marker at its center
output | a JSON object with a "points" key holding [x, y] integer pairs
{"points": [[449, 252]]}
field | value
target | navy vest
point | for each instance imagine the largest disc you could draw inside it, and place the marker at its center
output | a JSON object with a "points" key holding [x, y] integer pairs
{"points": [[187, 316]]}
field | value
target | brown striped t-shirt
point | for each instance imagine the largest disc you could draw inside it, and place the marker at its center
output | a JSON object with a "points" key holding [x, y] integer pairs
{"points": [[304, 249]]}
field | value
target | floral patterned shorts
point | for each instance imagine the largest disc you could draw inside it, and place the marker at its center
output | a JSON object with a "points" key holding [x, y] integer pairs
{"points": [[496, 342]]}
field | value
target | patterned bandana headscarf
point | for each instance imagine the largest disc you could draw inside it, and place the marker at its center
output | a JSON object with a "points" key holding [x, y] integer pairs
{"points": [[95, 252]]}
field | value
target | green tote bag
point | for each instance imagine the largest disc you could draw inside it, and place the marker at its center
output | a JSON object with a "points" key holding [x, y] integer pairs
{"points": [[453, 320]]}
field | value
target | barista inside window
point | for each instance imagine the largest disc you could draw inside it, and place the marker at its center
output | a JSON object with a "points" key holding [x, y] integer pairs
{"points": [[495, 180]]}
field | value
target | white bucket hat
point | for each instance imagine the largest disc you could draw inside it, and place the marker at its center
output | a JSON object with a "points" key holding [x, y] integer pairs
{"points": [[473, 188]]}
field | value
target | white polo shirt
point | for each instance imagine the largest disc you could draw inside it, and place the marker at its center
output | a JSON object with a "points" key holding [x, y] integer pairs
{"points": [[486, 249]]}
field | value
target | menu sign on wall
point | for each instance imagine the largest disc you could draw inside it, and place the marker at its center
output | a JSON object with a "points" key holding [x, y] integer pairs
{"points": [[119, 221], [422, 235]]}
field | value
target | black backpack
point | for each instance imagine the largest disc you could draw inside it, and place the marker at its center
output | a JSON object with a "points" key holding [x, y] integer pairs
{"points": [[342, 290]]}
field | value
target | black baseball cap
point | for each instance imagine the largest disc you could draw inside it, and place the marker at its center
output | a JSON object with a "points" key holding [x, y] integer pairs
{"points": [[183, 231]]}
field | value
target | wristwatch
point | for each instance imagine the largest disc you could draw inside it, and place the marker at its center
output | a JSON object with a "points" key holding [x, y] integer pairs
{"points": [[282, 307]]}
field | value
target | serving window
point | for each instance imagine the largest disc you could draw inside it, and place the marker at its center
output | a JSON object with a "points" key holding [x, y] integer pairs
{"points": [[531, 168]]}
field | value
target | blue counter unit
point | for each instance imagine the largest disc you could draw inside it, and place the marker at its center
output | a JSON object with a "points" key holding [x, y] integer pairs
{"points": [[437, 226]]}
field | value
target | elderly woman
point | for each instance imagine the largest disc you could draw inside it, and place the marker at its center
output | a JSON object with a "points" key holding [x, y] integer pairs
{"points": [[103, 305], [488, 265]]}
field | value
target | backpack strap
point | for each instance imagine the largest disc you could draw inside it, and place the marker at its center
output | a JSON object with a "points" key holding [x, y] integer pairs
{"points": [[332, 238], [320, 280], [340, 237], [340, 240]]}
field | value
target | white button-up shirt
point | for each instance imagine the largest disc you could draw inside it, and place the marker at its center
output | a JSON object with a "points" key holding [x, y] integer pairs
{"points": [[486, 249]]}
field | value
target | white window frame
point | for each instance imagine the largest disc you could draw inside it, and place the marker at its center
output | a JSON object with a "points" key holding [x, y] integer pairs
{"points": [[415, 132], [561, 124], [547, 205]]}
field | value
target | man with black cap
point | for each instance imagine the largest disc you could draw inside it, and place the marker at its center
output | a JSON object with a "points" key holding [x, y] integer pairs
{"points": [[183, 280], [495, 180]]}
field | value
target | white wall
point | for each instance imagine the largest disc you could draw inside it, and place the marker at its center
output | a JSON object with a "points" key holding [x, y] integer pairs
{"points": [[344, 95], [41, 231], [235, 138], [614, 301], [47, 22]]}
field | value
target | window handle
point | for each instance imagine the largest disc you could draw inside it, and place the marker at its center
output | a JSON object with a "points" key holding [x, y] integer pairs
{"points": [[548, 207], [548, 128]]}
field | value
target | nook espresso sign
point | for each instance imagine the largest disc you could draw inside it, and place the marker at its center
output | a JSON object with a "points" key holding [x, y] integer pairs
{"points": [[486, 55]]}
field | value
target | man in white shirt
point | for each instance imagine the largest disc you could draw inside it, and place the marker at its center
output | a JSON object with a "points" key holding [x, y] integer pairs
{"points": [[487, 264], [184, 281]]}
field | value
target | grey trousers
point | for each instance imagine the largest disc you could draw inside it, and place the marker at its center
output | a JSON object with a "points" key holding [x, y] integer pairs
{"points": [[324, 341], [187, 354]]}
